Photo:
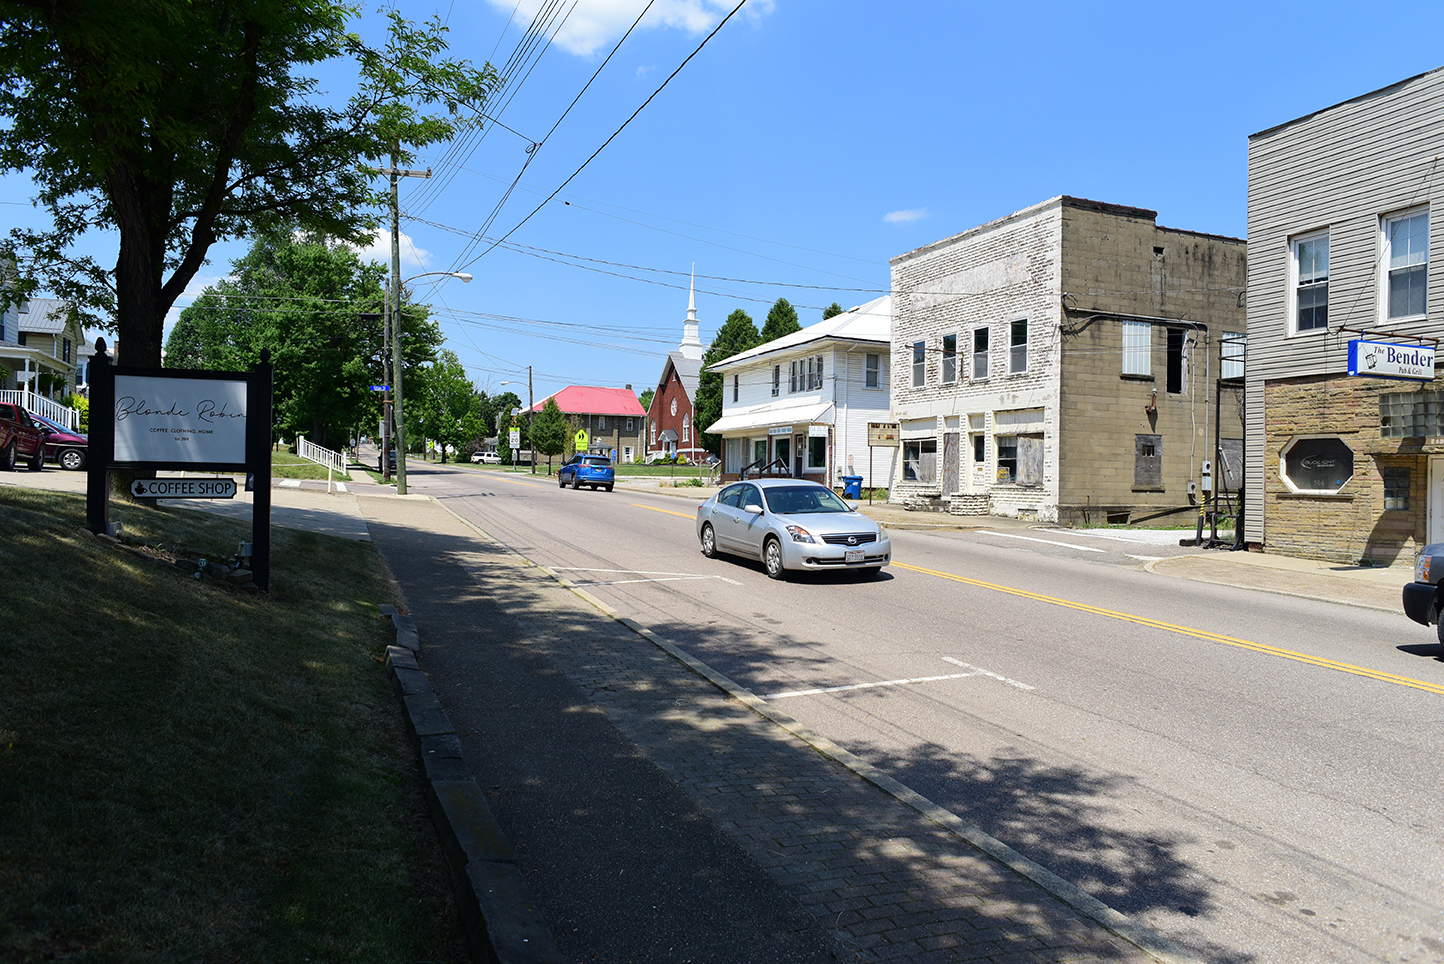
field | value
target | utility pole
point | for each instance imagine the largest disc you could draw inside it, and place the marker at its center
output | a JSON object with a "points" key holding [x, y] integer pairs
{"points": [[394, 303], [530, 415]]}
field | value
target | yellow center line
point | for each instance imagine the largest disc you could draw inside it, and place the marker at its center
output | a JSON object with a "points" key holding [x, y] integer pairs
{"points": [[529, 485], [685, 515], [1187, 631]]}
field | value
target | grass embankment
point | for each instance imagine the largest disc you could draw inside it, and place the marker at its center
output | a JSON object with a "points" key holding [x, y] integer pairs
{"points": [[192, 773]]}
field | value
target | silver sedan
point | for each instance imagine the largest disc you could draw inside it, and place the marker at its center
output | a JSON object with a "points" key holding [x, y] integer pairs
{"points": [[791, 524]]}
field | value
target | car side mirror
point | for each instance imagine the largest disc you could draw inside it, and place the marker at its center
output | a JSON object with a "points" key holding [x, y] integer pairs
{"points": [[753, 508]]}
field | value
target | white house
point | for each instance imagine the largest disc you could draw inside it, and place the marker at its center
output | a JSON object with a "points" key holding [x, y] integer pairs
{"points": [[800, 404]]}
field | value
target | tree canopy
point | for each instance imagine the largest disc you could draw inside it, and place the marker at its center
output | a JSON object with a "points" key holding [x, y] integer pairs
{"points": [[737, 334], [177, 125], [303, 300], [832, 311], [445, 406], [781, 320]]}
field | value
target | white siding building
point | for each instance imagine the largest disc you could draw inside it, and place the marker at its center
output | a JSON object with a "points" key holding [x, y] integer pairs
{"points": [[802, 403], [1341, 208]]}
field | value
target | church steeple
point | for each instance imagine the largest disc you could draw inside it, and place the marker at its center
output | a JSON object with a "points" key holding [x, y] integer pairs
{"points": [[691, 346]]}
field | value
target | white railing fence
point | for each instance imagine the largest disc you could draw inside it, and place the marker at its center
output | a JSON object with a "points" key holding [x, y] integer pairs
{"points": [[41, 405], [311, 452]]}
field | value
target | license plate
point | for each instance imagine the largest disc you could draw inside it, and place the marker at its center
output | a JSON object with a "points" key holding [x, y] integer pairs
{"points": [[853, 555]]}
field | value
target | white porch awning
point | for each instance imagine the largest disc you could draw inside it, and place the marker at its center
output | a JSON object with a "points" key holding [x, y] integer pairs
{"points": [[772, 415]]}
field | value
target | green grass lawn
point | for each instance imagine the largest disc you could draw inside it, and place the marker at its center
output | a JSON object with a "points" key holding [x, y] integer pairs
{"points": [[193, 773]]}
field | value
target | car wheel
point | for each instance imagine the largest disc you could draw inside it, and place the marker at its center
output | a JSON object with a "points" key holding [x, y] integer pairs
{"points": [[772, 559], [709, 542], [72, 459], [561, 482], [1439, 631], [8, 461], [37, 462], [576, 483], [607, 487]]}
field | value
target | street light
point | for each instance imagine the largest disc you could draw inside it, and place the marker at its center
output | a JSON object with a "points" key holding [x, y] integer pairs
{"points": [[398, 414]]}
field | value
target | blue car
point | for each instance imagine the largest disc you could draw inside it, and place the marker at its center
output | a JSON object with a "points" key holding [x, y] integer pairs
{"points": [[593, 470]]}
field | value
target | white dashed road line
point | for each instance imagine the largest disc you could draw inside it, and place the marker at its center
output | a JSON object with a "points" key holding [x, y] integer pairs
{"points": [[1051, 542]]}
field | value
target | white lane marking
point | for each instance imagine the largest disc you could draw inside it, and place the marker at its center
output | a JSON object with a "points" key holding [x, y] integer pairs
{"points": [[624, 582], [863, 686], [665, 576], [983, 672], [340, 486], [1051, 542], [1147, 558], [290, 484]]}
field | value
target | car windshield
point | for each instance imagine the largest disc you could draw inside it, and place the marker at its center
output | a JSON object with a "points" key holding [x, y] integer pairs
{"points": [[802, 499]]}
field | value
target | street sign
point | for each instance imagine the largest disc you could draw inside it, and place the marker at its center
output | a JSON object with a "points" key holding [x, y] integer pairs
{"points": [[514, 439], [381, 388], [183, 488], [882, 433]]}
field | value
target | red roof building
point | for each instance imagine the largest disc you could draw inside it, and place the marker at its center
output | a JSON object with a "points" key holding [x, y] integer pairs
{"points": [[612, 417]]}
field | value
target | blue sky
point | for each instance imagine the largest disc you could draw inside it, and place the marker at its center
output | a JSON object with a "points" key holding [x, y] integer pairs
{"points": [[808, 142]]}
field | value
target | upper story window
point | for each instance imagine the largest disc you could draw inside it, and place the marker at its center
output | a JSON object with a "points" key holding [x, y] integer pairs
{"points": [[1137, 348], [631, 425], [1406, 265], [980, 353], [65, 356], [814, 374], [920, 363], [1232, 349], [735, 381], [950, 358], [20, 337], [1018, 346], [687, 427], [872, 371], [654, 431], [1311, 282], [776, 381], [601, 423]]}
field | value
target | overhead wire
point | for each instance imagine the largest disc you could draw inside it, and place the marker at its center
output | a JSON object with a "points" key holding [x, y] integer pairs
{"points": [[615, 134]]}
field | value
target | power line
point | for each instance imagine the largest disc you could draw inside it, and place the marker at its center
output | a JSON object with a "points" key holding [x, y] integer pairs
{"points": [[617, 132]]}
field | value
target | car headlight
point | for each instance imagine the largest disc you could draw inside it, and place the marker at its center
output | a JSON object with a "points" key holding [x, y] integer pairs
{"points": [[800, 534]]}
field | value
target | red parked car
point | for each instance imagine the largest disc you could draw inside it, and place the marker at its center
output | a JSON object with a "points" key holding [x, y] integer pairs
{"points": [[20, 438], [61, 444]]}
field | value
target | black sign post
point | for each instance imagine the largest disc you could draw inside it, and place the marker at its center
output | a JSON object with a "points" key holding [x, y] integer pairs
{"points": [[162, 415]]}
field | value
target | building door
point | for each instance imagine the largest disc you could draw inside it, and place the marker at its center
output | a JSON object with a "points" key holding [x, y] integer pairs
{"points": [[1436, 499], [950, 463]]}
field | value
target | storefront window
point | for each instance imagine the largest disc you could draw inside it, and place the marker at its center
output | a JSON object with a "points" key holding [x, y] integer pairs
{"points": [[1396, 488], [1322, 465], [817, 452], [920, 459]]}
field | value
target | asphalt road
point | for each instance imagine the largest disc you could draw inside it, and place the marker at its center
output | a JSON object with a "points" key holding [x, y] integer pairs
{"points": [[1252, 775]]}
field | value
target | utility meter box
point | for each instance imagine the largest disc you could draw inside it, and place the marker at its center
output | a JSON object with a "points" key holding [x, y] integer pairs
{"points": [[1207, 477]]}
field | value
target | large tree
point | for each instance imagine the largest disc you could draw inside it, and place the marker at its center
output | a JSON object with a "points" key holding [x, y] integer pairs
{"points": [[737, 334], [781, 320], [446, 406], [177, 125], [304, 301]]}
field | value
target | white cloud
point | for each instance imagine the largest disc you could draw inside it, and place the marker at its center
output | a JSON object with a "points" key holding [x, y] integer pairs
{"points": [[904, 216], [594, 24], [380, 250]]}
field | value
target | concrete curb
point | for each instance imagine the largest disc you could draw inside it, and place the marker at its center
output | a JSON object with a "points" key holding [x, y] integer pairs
{"points": [[503, 925]]}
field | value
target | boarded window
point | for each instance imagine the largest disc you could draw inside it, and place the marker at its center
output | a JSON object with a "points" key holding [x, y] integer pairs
{"points": [[1148, 461], [1030, 459], [1396, 488]]}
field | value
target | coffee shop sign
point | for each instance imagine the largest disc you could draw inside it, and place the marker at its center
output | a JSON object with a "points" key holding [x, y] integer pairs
{"points": [[1376, 359]]}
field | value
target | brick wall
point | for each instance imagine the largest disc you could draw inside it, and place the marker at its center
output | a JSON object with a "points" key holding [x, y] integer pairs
{"points": [[1119, 260], [1353, 525]]}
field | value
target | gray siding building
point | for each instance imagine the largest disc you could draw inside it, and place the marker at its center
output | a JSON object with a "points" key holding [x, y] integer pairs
{"points": [[1340, 213]]}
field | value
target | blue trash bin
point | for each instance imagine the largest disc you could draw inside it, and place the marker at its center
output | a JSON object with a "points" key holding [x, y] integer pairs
{"points": [[852, 487]]}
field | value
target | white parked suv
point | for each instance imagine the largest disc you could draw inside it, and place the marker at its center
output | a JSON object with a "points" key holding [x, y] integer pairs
{"points": [[486, 458]]}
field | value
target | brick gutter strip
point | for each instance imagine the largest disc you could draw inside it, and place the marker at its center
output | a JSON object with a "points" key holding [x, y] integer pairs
{"points": [[503, 925]]}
